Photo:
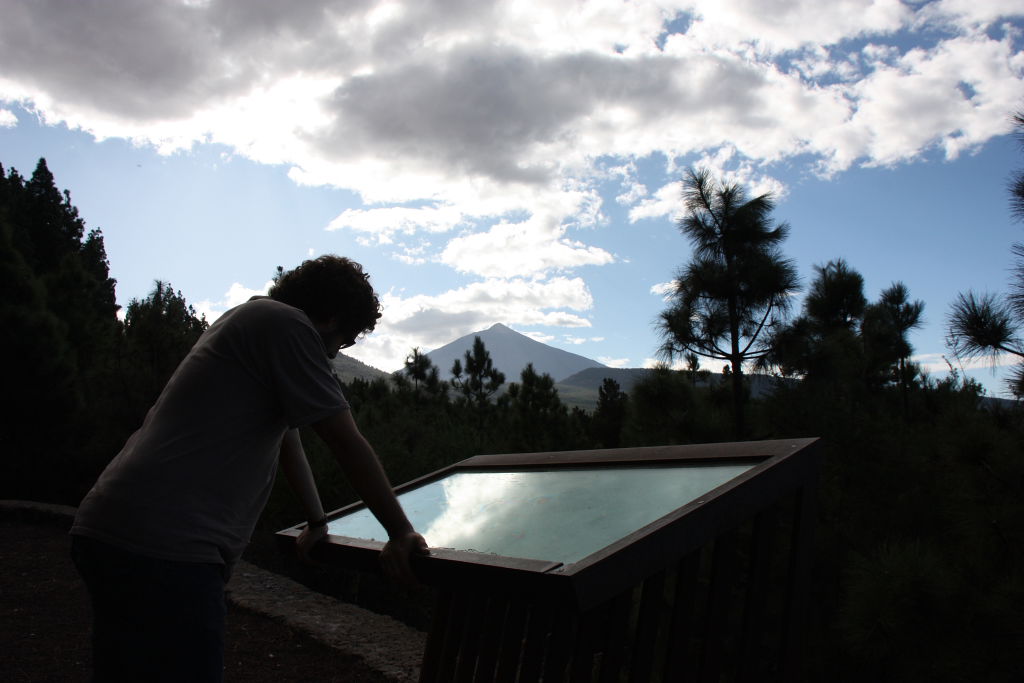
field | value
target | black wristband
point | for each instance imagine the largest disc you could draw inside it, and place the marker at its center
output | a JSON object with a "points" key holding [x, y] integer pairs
{"points": [[316, 524]]}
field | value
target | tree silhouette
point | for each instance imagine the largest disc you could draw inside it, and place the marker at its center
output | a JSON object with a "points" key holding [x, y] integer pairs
{"points": [[159, 331], [610, 413], [538, 417], [843, 341], [822, 344], [1017, 180], [481, 380], [835, 299], [987, 324], [736, 286], [419, 368], [63, 275], [892, 318], [40, 402]]}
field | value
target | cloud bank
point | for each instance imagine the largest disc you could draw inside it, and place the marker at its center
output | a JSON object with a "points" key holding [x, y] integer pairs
{"points": [[477, 133]]}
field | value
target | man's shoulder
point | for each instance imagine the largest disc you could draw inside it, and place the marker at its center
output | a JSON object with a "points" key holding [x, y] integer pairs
{"points": [[263, 319], [263, 307]]}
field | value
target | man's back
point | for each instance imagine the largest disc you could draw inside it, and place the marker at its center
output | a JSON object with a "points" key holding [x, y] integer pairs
{"points": [[191, 482]]}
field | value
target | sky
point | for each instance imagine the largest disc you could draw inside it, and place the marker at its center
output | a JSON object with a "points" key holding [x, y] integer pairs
{"points": [[520, 161]]}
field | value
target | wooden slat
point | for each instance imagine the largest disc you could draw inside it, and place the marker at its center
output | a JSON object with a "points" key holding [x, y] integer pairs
{"points": [[678, 665], [651, 602], [753, 629], [469, 649], [559, 645], [723, 573], [433, 653], [538, 628], [616, 637], [591, 625], [453, 638], [799, 581], [491, 629], [513, 638]]}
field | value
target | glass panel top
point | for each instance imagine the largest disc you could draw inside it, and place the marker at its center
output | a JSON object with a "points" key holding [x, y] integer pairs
{"points": [[559, 515]]}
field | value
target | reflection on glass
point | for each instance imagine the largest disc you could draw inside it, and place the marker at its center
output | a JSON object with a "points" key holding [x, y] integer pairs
{"points": [[558, 515]]}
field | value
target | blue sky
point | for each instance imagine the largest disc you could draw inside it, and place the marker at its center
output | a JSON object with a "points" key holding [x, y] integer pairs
{"points": [[518, 162]]}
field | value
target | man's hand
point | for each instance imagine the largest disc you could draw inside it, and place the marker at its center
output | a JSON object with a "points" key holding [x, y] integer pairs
{"points": [[309, 537], [394, 558]]}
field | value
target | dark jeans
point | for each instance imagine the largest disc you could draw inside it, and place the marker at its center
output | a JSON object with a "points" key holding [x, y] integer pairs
{"points": [[153, 620]]}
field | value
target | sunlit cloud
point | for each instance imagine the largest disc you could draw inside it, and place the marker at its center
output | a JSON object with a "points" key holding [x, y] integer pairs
{"points": [[942, 363], [569, 339], [664, 289], [236, 294], [386, 221], [479, 137]]}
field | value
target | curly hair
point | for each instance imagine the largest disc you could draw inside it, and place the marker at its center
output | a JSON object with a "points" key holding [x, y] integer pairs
{"points": [[328, 287]]}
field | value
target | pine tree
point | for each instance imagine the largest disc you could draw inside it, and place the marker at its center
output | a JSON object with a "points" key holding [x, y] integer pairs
{"points": [[478, 380], [539, 419], [737, 285], [610, 413], [65, 274]]}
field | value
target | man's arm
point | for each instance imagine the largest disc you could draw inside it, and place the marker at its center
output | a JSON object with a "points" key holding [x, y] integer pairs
{"points": [[296, 470], [361, 466]]}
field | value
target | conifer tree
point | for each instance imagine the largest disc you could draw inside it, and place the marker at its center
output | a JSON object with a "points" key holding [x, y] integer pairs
{"points": [[539, 418], [610, 413], [159, 331], [67, 272], [737, 284], [988, 324], [478, 380]]}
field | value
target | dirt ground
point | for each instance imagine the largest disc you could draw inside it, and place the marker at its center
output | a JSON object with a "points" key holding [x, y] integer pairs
{"points": [[44, 630]]}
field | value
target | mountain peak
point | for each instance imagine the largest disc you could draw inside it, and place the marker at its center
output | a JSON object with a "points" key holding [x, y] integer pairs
{"points": [[511, 351]]}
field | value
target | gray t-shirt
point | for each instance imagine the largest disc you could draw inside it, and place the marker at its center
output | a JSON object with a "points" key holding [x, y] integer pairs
{"points": [[190, 484]]}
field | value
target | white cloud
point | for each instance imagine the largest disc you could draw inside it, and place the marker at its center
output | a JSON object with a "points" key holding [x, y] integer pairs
{"points": [[634, 192], [402, 101], [937, 362], [658, 362], [484, 124], [527, 248], [780, 25], [957, 95], [614, 362], [664, 289], [236, 294], [569, 339], [970, 13], [540, 336], [7, 118], [666, 203], [384, 222]]}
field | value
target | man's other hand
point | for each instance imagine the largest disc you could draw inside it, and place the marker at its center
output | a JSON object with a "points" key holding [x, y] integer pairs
{"points": [[394, 558], [307, 540]]}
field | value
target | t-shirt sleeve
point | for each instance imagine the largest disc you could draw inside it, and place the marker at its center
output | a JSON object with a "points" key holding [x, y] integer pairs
{"points": [[303, 381]]}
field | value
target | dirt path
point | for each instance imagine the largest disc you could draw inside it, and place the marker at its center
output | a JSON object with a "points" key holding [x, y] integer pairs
{"points": [[44, 629]]}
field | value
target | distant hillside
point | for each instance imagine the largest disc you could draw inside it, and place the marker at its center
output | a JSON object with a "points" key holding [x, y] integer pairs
{"points": [[580, 390], [348, 368], [592, 378], [511, 351]]}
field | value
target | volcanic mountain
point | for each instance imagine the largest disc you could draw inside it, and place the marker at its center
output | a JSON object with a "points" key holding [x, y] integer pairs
{"points": [[511, 351]]}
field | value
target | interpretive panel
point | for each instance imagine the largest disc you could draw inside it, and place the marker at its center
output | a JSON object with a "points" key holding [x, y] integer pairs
{"points": [[654, 563], [561, 515]]}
